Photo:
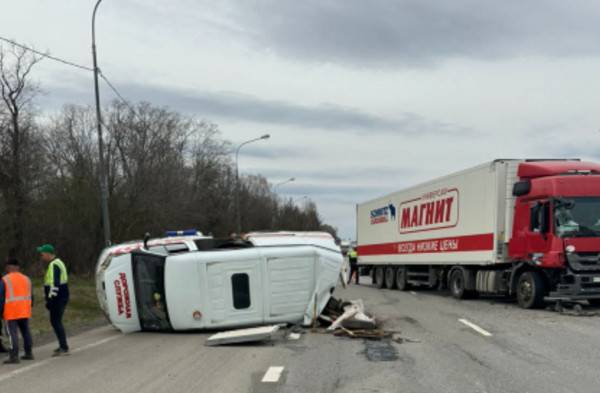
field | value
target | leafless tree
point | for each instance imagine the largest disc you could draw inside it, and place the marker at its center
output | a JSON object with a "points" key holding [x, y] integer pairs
{"points": [[17, 139]]}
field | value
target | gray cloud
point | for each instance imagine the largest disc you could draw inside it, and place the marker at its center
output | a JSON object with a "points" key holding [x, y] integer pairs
{"points": [[387, 33], [246, 108], [335, 173], [267, 152]]}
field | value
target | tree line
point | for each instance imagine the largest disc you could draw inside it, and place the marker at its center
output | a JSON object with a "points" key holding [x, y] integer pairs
{"points": [[165, 171]]}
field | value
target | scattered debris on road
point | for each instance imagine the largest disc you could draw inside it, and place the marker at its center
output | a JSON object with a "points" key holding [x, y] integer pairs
{"points": [[349, 315], [238, 336], [349, 319], [374, 334], [294, 336], [572, 308], [342, 318]]}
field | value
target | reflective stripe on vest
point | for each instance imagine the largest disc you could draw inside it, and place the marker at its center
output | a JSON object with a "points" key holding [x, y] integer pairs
{"points": [[49, 279], [17, 304], [10, 293]]}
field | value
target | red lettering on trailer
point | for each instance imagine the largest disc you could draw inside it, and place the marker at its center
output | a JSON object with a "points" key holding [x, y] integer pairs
{"points": [[480, 242], [437, 209]]}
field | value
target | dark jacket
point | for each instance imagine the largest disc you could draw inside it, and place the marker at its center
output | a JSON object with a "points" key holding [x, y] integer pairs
{"points": [[62, 295]]}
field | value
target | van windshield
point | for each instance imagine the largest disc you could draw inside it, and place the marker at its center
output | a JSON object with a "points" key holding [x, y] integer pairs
{"points": [[149, 276], [577, 217]]}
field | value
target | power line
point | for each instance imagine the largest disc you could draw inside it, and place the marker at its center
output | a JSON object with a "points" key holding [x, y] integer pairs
{"points": [[70, 63], [114, 89], [46, 55]]}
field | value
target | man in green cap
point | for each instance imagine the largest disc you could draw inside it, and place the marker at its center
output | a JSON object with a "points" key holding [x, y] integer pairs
{"points": [[56, 290]]}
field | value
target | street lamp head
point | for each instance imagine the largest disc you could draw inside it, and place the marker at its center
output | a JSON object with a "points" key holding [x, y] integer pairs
{"points": [[266, 136], [292, 178]]}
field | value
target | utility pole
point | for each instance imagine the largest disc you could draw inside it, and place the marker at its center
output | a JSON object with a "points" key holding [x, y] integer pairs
{"points": [[102, 165], [238, 216]]}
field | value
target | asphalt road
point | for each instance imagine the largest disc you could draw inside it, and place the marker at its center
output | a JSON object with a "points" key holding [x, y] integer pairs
{"points": [[480, 345]]}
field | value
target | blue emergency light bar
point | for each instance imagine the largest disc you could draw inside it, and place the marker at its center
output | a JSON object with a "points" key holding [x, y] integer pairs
{"points": [[187, 232]]}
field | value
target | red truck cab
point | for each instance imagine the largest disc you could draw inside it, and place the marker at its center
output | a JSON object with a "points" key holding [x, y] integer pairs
{"points": [[556, 228]]}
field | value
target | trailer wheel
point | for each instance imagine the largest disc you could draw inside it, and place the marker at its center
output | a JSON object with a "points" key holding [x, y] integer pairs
{"points": [[390, 277], [456, 282], [401, 283], [379, 277], [530, 290]]}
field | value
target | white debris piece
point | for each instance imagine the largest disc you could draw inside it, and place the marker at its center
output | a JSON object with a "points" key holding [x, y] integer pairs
{"points": [[354, 315], [237, 336], [294, 336]]}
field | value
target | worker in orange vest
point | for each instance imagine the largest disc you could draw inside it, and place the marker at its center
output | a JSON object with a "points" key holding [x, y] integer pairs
{"points": [[16, 298]]}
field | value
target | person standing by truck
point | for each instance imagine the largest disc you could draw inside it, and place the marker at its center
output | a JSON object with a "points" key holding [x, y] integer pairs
{"points": [[353, 259], [56, 290], [15, 305]]}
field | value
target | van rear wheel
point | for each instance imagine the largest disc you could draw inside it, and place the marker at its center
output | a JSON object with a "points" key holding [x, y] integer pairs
{"points": [[379, 277], [390, 277], [531, 290]]}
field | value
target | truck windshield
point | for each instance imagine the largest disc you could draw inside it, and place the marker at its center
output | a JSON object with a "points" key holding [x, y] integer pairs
{"points": [[577, 217]]}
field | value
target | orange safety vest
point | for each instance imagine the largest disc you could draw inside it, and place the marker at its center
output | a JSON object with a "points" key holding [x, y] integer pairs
{"points": [[17, 303]]}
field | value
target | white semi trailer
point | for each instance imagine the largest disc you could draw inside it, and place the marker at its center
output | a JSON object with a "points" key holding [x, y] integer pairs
{"points": [[525, 227]]}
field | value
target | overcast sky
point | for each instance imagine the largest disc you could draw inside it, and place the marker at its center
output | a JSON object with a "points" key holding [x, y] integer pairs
{"points": [[360, 97]]}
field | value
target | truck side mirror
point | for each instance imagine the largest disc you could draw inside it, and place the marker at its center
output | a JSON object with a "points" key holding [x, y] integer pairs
{"points": [[521, 188]]}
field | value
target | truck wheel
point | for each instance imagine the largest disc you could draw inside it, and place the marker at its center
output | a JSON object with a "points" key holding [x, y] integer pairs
{"points": [[456, 282], [530, 290], [401, 283], [379, 277], [390, 277]]}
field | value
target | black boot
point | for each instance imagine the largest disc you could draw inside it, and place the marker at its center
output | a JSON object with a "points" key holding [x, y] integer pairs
{"points": [[12, 360], [27, 356]]}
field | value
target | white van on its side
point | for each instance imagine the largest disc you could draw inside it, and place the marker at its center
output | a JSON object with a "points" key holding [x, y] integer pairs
{"points": [[280, 277]]}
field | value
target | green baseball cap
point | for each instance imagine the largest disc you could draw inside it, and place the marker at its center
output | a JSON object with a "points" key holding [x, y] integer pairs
{"points": [[47, 248]]}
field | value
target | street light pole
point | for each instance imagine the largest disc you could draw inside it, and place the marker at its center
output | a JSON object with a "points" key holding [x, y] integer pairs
{"points": [[291, 179], [238, 216], [101, 162]]}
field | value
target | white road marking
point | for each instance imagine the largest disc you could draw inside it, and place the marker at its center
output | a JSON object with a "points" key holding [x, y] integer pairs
{"points": [[413, 293], [294, 336], [273, 374], [475, 327], [46, 361]]}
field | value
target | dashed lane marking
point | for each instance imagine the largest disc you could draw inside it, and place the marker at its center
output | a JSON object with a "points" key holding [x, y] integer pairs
{"points": [[478, 329], [273, 374], [413, 293]]}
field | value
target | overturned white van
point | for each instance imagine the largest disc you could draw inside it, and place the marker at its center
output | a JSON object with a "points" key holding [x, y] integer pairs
{"points": [[279, 277]]}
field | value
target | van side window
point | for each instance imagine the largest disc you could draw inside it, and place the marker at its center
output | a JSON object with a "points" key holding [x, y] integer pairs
{"points": [[240, 286]]}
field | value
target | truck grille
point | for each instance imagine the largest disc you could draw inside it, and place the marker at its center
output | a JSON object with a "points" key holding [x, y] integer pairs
{"points": [[584, 261]]}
